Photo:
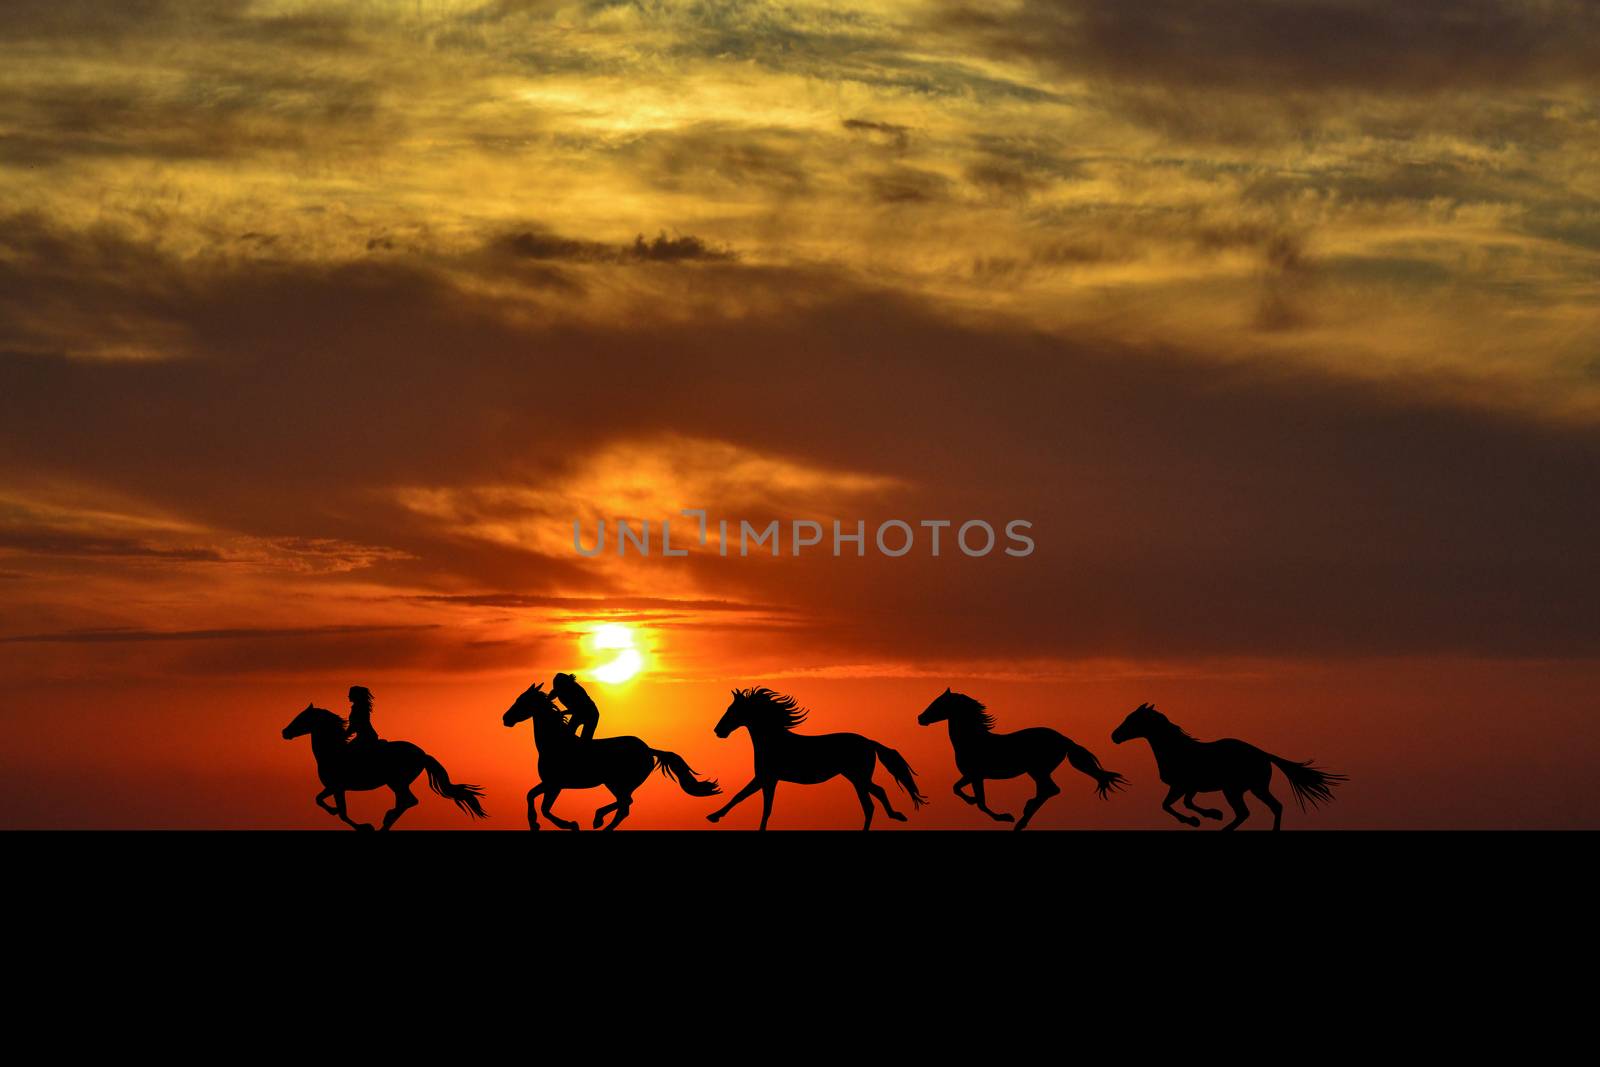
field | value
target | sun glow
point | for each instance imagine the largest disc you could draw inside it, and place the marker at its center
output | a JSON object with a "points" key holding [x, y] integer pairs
{"points": [[616, 646]]}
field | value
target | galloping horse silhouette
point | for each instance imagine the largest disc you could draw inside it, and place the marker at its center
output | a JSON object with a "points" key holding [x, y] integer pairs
{"points": [[1188, 767], [395, 764], [781, 756], [621, 764], [1037, 752]]}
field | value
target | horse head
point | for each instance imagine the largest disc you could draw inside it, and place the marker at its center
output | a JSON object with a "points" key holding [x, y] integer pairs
{"points": [[1140, 721], [310, 720], [940, 710], [533, 702]]}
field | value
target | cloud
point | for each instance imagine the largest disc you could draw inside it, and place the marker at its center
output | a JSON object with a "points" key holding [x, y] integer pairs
{"points": [[594, 604], [1245, 310], [122, 635], [1182, 505], [47, 542], [1268, 45]]}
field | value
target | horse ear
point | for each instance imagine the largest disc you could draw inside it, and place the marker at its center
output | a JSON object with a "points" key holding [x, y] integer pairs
{"points": [[947, 690]]}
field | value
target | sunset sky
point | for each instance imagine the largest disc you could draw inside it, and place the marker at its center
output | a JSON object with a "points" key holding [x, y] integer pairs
{"points": [[321, 323]]}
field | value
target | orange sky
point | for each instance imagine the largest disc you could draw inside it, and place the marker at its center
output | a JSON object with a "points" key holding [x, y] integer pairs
{"points": [[320, 323]]}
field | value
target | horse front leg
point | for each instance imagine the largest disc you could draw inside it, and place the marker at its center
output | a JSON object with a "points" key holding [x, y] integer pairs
{"points": [[983, 805], [743, 794], [338, 809], [964, 780], [1166, 805], [550, 795], [533, 805], [1188, 802], [322, 802], [768, 789]]}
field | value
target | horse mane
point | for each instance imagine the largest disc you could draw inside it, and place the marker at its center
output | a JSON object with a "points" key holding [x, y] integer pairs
{"points": [[1168, 726], [778, 709], [325, 715], [974, 708]]}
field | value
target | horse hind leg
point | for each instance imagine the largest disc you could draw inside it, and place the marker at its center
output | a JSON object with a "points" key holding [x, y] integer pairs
{"points": [[1210, 813], [404, 798], [1235, 798], [1272, 805], [883, 798], [623, 805], [1046, 788], [339, 810], [601, 812], [1166, 805], [866, 802], [549, 799], [983, 804]]}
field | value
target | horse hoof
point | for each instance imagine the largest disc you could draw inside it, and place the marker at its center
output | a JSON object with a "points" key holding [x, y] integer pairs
{"points": [[713, 818], [1212, 814], [1005, 817], [1191, 822], [366, 826], [897, 817]]}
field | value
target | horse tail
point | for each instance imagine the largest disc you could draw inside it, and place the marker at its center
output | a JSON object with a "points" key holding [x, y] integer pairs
{"points": [[900, 771], [1309, 783], [465, 796], [1083, 760], [675, 768]]}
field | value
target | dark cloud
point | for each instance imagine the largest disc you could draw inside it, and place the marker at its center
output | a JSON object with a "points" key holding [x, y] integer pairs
{"points": [[87, 23], [1272, 46], [613, 603], [664, 249], [1182, 506], [127, 634], [895, 134], [908, 185], [46, 542], [541, 244]]}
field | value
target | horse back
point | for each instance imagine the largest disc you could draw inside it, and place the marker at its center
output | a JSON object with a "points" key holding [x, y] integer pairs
{"points": [[587, 764], [1225, 763], [1007, 755], [807, 759]]}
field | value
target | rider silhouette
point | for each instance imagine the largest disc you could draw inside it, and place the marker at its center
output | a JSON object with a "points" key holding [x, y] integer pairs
{"points": [[583, 716], [360, 734]]}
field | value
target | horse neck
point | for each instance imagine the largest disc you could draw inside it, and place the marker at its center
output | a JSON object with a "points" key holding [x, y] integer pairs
{"points": [[549, 732], [327, 742], [1168, 744], [765, 734], [964, 729]]}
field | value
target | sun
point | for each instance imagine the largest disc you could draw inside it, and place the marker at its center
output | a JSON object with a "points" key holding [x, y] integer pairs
{"points": [[616, 646]]}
